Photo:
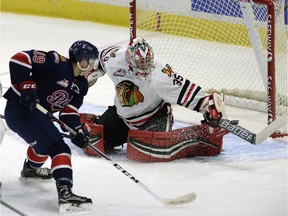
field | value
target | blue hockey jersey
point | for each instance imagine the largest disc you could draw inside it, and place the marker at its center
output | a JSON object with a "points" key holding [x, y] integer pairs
{"points": [[57, 88]]}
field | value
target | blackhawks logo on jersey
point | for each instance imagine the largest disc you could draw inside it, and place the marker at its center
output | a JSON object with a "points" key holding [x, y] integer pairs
{"points": [[167, 70], [128, 94]]}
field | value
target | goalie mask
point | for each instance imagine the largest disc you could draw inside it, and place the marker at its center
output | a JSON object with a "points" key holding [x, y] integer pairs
{"points": [[140, 57], [83, 50]]}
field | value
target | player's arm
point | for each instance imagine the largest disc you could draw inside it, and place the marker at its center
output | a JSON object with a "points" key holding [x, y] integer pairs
{"points": [[20, 66], [175, 89], [21, 75], [194, 97], [70, 115], [106, 55], [96, 73]]}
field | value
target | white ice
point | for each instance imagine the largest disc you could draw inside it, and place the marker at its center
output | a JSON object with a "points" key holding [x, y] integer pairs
{"points": [[244, 180]]}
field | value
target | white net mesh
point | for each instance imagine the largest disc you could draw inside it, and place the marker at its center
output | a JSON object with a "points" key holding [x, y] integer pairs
{"points": [[208, 42]]}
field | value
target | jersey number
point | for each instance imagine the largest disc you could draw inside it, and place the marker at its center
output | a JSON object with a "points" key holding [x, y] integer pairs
{"points": [[177, 80], [38, 57]]}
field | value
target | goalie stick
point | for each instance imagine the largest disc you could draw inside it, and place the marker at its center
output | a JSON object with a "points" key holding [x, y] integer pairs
{"points": [[254, 138], [184, 199], [233, 127]]}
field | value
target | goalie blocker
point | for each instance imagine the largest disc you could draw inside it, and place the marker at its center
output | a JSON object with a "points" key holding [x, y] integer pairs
{"points": [[147, 146]]}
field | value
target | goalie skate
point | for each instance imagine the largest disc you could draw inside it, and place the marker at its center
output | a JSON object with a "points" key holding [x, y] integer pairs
{"points": [[70, 203]]}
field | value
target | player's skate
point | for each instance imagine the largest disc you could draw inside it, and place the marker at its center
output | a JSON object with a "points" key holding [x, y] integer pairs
{"points": [[38, 173], [71, 203]]}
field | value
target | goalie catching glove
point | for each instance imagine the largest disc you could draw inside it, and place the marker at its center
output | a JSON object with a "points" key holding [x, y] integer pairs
{"points": [[81, 139], [213, 108]]}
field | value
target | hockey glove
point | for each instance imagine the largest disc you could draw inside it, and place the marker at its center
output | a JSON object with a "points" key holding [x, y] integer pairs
{"points": [[213, 108], [81, 139], [93, 76], [28, 95]]}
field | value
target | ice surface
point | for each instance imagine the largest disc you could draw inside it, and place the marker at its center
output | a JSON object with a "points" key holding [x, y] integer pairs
{"points": [[244, 180]]}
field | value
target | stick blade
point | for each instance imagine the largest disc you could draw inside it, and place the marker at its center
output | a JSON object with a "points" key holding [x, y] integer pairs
{"points": [[185, 199]]}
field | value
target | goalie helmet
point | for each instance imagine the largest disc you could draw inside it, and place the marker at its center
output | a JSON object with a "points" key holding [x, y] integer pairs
{"points": [[83, 50], [140, 57]]}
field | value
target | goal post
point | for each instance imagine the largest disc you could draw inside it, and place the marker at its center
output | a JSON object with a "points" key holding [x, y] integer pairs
{"points": [[235, 47]]}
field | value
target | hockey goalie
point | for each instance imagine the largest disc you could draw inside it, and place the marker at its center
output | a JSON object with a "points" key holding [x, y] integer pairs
{"points": [[155, 146], [142, 114]]}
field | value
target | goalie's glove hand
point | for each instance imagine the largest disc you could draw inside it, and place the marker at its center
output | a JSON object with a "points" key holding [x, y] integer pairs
{"points": [[213, 109], [28, 95], [209, 120], [81, 139]]}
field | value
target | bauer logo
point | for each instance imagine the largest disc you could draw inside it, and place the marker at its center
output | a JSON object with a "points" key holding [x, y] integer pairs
{"points": [[237, 130]]}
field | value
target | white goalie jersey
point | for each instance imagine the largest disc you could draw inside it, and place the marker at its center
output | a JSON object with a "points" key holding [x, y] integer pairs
{"points": [[138, 100]]}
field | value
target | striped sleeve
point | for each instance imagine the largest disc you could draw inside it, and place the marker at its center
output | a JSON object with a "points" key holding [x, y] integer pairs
{"points": [[23, 59], [20, 66], [105, 55], [190, 95]]}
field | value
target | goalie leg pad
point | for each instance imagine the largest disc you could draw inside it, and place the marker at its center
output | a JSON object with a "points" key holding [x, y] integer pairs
{"points": [[96, 132], [96, 139], [148, 146], [209, 142], [87, 118]]}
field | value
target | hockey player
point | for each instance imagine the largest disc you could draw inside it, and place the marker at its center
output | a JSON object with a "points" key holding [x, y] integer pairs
{"points": [[145, 89], [59, 85]]}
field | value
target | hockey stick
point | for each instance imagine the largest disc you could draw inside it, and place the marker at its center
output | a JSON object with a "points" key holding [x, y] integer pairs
{"points": [[187, 198], [9, 206], [12, 208], [250, 136]]}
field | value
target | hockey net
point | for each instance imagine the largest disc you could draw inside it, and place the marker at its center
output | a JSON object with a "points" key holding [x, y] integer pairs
{"points": [[235, 47]]}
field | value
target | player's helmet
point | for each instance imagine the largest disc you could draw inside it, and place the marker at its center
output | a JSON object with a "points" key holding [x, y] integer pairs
{"points": [[81, 49], [140, 57]]}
